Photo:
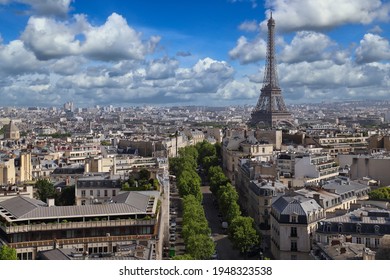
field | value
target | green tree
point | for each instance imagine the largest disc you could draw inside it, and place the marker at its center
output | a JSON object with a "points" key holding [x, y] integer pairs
{"points": [[380, 194], [125, 187], [217, 179], [200, 247], [226, 196], [144, 174], [66, 196], [233, 211], [195, 228], [208, 162], [205, 149], [190, 151], [7, 253], [45, 189], [242, 234], [189, 182]]}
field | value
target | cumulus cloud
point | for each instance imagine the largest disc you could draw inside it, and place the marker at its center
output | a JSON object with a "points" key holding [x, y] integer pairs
{"points": [[293, 15], [45, 7], [161, 69], [307, 46], [49, 7], [372, 48], [326, 76], [15, 59], [249, 26], [249, 51], [49, 38], [115, 40]]}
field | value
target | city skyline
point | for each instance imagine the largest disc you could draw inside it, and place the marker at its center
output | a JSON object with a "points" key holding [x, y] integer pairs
{"points": [[148, 52]]}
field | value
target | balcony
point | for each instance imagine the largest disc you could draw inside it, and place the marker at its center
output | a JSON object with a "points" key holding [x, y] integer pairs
{"points": [[74, 225], [82, 240]]}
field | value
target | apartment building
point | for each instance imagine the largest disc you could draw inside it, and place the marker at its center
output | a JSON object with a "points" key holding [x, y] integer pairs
{"points": [[31, 226], [294, 221], [95, 188], [236, 148], [366, 225], [78, 153], [313, 168]]}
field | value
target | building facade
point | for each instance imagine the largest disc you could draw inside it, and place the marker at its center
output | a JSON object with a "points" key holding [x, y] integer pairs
{"points": [[31, 226], [294, 221]]}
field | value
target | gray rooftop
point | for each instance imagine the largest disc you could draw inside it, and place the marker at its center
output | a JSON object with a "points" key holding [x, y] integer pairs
{"points": [[297, 204], [22, 208]]}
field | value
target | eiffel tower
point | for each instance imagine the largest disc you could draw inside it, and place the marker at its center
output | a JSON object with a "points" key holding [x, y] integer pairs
{"points": [[270, 110]]}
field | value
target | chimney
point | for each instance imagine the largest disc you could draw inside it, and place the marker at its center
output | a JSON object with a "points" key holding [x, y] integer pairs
{"points": [[335, 242], [316, 197], [50, 202]]}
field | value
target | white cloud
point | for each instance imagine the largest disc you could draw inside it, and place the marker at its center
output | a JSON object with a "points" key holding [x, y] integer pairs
{"points": [[115, 40], [161, 69], [45, 7], [327, 77], [307, 46], [16, 60], [249, 26], [249, 51], [49, 38], [372, 48], [238, 89], [293, 15], [376, 29]]}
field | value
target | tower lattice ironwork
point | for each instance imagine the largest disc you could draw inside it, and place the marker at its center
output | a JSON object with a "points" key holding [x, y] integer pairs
{"points": [[270, 110]]}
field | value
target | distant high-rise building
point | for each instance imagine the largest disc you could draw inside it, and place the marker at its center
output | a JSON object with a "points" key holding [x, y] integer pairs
{"points": [[69, 106], [270, 110]]}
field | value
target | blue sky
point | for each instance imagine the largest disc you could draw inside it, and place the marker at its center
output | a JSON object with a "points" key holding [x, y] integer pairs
{"points": [[170, 52]]}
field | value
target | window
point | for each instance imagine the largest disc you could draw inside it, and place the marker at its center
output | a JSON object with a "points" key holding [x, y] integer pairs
{"points": [[113, 192], [359, 228], [294, 219], [368, 242], [376, 242], [105, 192], [83, 193], [98, 193], [340, 227], [358, 240], [293, 232], [294, 246], [83, 202], [376, 227], [266, 202], [91, 192]]}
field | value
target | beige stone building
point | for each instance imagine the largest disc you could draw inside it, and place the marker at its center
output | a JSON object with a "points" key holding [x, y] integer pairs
{"points": [[238, 147], [7, 172], [294, 221]]}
